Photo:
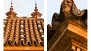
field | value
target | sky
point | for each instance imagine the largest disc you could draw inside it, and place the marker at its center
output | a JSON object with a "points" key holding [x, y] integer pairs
{"points": [[24, 7], [54, 6]]}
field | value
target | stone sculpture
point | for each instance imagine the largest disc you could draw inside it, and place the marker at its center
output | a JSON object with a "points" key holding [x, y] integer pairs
{"points": [[68, 11]]}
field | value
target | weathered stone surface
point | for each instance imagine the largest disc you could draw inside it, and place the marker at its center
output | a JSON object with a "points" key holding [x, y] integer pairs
{"points": [[70, 23]]}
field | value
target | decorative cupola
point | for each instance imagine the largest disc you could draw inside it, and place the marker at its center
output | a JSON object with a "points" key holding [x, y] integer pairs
{"points": [[11, 13], [36, 14]]}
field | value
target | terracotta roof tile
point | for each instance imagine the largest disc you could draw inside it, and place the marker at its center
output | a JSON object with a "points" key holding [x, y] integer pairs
{"points": [[23, 31]]}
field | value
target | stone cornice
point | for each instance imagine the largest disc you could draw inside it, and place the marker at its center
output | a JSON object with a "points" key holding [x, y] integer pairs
{"points": [[63, 30]]}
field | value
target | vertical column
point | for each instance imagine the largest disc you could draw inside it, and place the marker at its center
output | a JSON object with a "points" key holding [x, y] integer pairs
{"points": [[11, 38], [73, 47], [40, 29], [32, 32], [76, 46], [22, 33], [17, 31], [37, 33], [78, 49], [7, 31], [27, 32]]}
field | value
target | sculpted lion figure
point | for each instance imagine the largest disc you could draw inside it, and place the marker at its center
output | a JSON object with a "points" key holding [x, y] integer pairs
{"points": [[69, 11]]}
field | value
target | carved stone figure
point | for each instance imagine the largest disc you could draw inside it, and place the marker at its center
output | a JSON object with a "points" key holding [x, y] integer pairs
{"points": [[68, 11]]}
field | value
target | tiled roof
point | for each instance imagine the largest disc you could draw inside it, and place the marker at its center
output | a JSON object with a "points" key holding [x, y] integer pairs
{"points": [[23, 31]]}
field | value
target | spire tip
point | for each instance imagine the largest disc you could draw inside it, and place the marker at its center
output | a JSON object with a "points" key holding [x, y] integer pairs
{"points": [[35, 4]]}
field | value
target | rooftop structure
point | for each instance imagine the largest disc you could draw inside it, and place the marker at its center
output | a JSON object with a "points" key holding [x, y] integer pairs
{"points": [[23, 33]]}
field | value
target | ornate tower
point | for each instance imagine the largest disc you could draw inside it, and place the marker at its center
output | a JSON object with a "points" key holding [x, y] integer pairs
{"points": [[36, 13], [11, 13]]}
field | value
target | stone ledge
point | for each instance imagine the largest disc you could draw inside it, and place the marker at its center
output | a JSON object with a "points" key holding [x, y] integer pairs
{"points": [[23, 48], [77, 30]]}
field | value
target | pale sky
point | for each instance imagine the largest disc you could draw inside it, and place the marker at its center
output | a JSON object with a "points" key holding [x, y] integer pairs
{"points": [[24, 7], [54, 6]]}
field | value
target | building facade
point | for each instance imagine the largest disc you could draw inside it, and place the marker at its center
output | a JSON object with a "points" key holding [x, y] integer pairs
{"points": [[23, 33], [68, 31]]}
